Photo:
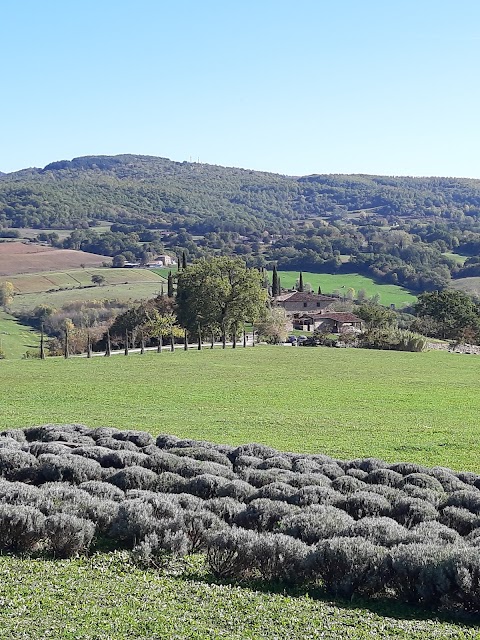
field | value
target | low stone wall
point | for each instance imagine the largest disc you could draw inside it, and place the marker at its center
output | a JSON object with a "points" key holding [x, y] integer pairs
{"points": [[460, 348]]}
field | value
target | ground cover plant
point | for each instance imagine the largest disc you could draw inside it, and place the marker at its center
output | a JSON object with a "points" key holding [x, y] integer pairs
{"points": [[422, 407], [359, 527]]}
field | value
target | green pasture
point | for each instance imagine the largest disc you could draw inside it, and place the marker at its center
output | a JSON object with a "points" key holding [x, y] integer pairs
{"points": [[389, 293], [15, 338], [419, 407], [106, 598], [61, 287]]}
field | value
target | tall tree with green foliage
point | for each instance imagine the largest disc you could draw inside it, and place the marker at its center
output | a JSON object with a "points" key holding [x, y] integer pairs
{"points": [[300, 282], [275, 288], [375, 316], [219, 295], [170, 285], [184, 260], [449, 315]]}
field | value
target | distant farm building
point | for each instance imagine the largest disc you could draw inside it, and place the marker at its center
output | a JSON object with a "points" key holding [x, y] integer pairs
{"points": [[328, 321], [302, 302]]}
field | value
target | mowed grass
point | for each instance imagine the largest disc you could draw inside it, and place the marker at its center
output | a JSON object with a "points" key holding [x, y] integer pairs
{"points": [[389, 293], [348, 403], [57, 288], [419, 407], [15, 338], [106, 598]]}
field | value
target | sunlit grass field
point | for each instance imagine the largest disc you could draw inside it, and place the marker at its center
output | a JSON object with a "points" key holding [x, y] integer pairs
{"points": [[420, 407], [348, 403], [16, 339]]}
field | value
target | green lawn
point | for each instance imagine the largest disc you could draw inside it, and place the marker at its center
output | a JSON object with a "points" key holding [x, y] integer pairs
{"points": [[106, 598], [389, 293], [15, 338], [421, 407]]}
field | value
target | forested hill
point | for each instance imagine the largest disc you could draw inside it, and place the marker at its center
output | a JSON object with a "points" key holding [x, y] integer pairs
{"points": [[396, 229], [204, 198]]}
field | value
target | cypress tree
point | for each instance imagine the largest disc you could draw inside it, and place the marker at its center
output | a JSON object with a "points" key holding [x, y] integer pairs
{"points": [[42, 347], [184, 260], [89, 345], [300, 282], [108, 350], [319, 290], [179, 262], [170, 285], [66, 351], [275, 288]]}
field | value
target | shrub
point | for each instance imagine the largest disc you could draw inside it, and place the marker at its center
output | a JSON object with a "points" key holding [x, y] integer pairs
{"points": [[264, 514], [13, 462], [349, 566], [225, 508], [307, 464], [434, 497], [245, 462], [66, 468], [253, 449], [468, 478], [237, 489], [171, 482], [412, 511], [134, 477], [436, 533], [357, 473], [387, 477], [116, 445], [423, 481], [313, 524], [464, 567], [68, 535], [9, 443], [315, 495], [348, 484], [473, 538], [405, 468], [187, 501], [367, 464], [280, 558], [15, 434], [165, 441], [161, 461], [466, 499], [459, 519], [134, 521], [103, 490], [151, 550], [205, 486], [391, 494], [419, 574], [383, 531], [276, 462], [231, 553], [197, 524], [259, 478], [331, 470], [448, 480], [138, 438], [300, 480], [22, 528], [123, 459], [40, 448], [20, 493], [202, 454], [364, 504], [274, 491]]}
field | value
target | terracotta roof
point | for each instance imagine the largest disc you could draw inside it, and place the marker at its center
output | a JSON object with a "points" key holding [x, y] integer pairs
{"points": [[339, 316], [298, 296]]}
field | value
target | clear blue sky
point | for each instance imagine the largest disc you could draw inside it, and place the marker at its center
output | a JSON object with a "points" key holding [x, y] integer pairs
{"points": [[294, 87]]}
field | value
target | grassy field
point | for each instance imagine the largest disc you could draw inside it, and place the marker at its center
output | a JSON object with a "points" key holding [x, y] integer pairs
{"points": [[348, 403], [389, 293], [468, 285], [420, 407], [59, 287], [15, 338], [106, 598]]}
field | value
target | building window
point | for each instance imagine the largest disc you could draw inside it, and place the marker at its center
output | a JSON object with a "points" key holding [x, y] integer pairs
{"points": [[304, 304], [318, 304]]}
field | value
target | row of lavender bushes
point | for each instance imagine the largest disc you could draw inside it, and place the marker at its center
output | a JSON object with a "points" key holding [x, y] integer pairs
{"points": [[357, 527]]}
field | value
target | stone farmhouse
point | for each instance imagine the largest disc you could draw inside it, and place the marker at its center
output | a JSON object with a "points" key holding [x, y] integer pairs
{"points": [[310, 311]]}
